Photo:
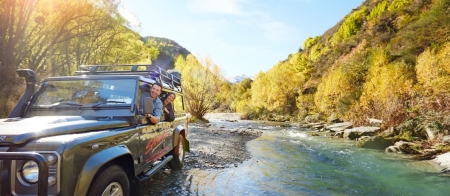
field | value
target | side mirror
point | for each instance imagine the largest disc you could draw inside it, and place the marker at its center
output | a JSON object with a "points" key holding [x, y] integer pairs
{"points": [[148, 105]]}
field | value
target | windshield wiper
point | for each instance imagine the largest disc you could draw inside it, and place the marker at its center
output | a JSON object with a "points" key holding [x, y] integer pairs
{"points": [[97, 105], [59, 104]]}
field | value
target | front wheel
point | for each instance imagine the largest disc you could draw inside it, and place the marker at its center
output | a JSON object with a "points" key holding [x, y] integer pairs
{"points": [[178, 155], [111, 181]]}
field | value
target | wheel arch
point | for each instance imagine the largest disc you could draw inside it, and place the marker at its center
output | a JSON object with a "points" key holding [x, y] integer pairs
{"points": [[119, 155], [178, 130]]}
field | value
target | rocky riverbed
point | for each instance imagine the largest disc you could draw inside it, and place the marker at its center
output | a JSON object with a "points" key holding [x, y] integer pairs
{"points": [[216, 145]]}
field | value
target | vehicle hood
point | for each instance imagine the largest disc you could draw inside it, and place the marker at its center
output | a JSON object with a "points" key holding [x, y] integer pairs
{"points": [[20, 130]]}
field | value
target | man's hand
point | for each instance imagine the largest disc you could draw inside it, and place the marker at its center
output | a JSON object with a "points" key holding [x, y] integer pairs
{"points": [[153, 120]]}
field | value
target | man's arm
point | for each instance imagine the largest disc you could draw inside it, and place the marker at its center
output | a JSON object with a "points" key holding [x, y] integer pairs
{"points": [[153, 119], [157, 109]]}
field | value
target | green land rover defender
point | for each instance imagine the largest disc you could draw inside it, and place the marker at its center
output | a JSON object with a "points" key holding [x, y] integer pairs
{"points": [[84, 134]]}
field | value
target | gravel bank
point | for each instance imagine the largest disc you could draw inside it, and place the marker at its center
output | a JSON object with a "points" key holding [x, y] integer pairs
{"points": [[216, 145]]}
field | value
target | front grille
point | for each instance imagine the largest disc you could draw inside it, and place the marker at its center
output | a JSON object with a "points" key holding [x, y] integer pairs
{"points": [[3, 174]]}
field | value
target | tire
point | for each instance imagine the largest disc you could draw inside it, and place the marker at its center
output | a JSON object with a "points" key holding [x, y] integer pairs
{"points": [[111, 181], [178, 155]]}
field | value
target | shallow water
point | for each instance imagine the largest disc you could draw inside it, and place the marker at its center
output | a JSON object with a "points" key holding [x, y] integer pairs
{"points": [[286, 161]]}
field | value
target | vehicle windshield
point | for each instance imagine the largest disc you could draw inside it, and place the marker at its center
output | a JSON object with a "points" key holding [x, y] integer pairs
{"points": [[86, 93]]}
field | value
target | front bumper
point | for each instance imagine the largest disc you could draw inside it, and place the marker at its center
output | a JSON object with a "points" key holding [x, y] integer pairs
{"points": [[38, 158]]}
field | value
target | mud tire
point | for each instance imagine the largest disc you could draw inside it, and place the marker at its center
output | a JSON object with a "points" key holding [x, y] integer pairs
{"points": [[111, 181], [177, 152]]}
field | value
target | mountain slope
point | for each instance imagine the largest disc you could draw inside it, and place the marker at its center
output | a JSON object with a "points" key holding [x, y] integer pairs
{"points": [[168, 49], [387, 59]]}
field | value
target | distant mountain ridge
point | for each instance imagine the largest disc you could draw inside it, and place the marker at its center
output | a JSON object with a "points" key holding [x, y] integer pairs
{"points": [[169, 50], [238, 78]]}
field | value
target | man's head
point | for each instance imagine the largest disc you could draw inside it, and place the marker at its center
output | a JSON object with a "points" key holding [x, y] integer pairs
{"points": [[155, 91]]}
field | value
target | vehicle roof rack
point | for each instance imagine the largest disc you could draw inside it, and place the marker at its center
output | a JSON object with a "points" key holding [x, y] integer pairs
{"points": [[170, 77]]}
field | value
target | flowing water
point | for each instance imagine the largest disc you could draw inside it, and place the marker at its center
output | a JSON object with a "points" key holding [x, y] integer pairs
{"points": [[287, 161]]}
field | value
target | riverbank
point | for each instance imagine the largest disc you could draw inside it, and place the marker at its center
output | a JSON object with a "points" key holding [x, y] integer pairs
{"points": [[431, 158]]}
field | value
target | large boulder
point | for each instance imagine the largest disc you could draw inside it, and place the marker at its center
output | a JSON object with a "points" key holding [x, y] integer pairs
{"points": [[357, 132]]}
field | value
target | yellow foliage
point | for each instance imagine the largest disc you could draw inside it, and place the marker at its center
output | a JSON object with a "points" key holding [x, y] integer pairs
{"points": [[305, 104], [349, 27], [201, 84], [433, 75], [276, 89], [398, 4], [385, 93], [333, 88], [315, 52], [310, 42], [260, 88], [377, 10], [302, 66]]}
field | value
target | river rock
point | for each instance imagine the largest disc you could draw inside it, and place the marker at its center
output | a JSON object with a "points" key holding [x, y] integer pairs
{"points": [[446, 139], [404, 147], [394, 149], [339, 126], [373, 142], [357, 132], [426, 155], [319, 126], [339, 134], [444, 161], [375, 122]]}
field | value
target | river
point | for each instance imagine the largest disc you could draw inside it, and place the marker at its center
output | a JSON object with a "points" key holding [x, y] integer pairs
{"points": [[287, 161]]}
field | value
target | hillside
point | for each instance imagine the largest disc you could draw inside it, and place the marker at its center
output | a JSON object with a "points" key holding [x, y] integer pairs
{"points": [[386, 59], [168, 49], [404, 28]]}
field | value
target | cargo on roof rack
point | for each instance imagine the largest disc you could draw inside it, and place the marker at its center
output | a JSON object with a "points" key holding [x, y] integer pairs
{"points": [[170, 77]]}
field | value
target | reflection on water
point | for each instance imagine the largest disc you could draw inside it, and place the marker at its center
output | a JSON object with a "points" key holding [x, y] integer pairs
{"points": [[289, 162]]}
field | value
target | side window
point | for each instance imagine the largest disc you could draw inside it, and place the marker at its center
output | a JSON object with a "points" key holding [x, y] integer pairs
{"points": [[178, 104]]}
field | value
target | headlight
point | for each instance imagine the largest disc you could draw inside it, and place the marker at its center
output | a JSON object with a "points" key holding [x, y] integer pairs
{"points": [[30, 171], [51, 159]]}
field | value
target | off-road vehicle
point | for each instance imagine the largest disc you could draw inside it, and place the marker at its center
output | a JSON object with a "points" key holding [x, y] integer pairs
{"points": [[84, 134]]}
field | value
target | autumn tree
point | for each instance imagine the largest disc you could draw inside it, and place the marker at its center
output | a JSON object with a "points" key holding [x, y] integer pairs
{"points": [[276, 90], [53, 37], [201, 84], [386, 92], [433, 75]]}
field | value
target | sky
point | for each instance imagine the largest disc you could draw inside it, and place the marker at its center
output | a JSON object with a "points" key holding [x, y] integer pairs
{"points": [[240, 36]]}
